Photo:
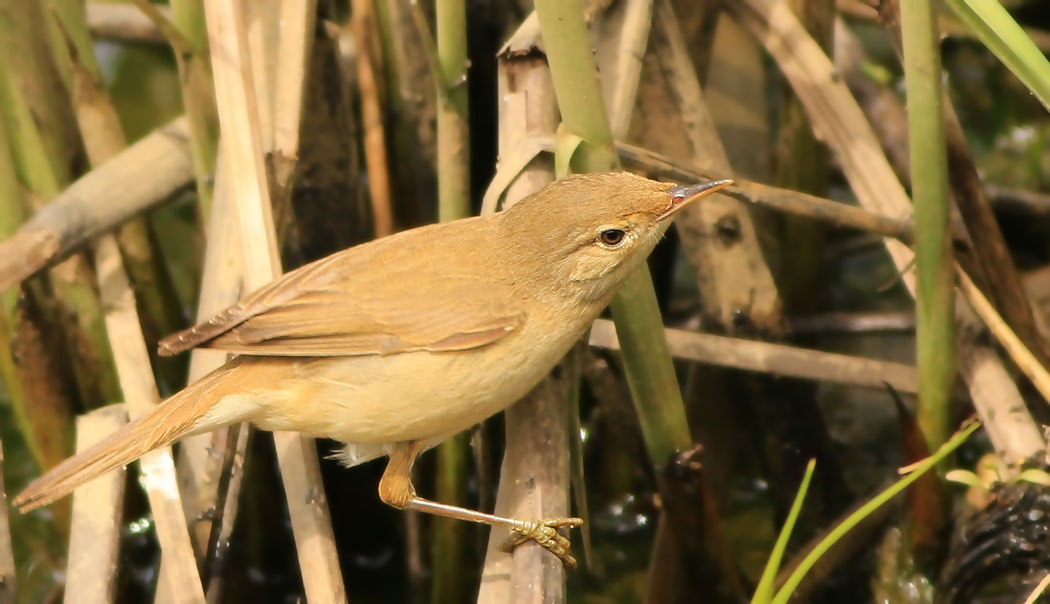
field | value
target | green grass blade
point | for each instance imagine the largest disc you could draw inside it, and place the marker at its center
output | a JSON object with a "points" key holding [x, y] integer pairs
{"points": [[764, 591], [917, 470], [1005, 38]]}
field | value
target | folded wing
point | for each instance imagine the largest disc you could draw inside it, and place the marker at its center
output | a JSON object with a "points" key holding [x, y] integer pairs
{"points": [[389, 296]]}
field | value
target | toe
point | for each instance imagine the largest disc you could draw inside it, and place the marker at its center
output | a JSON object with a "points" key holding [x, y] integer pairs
{"points": [[545, 534]]}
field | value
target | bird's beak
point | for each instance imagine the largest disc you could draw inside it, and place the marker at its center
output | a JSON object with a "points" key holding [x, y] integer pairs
{"points": [[683, 195]]}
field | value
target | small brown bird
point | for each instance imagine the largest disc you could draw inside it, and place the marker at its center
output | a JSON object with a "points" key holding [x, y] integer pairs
{"points": [[397, 344]]}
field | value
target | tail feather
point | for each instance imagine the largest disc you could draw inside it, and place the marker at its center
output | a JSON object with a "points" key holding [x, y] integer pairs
{"points": [[174, 418]]}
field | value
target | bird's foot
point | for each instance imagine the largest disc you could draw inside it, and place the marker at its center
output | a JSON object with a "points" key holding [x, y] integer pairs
{"points": [[545, 533]]}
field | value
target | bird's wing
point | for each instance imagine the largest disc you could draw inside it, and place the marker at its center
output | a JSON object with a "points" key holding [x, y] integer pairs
{"points": [[389, 296]]}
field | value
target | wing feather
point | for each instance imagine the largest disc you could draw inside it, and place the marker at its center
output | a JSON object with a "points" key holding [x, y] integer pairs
{"points": [[397, 294]]}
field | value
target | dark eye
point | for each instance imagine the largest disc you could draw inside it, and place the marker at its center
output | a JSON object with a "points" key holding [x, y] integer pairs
{"points": [[611, 237]]}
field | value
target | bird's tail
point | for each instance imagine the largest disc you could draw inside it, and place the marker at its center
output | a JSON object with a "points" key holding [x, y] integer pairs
{"points": [[176, 417]]}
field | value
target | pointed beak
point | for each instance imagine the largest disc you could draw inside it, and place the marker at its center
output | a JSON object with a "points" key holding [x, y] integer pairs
{"points": [[683, 195]]}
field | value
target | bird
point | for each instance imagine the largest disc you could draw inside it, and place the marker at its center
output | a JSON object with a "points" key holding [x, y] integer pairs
{"points": [[394, 345]]}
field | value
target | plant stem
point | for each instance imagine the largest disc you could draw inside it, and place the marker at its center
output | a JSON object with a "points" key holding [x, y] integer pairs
{"points": [[74, 52], [453, 152], [935, 291], [453, 172], [650, 372], [198, 96], [37, 115]]}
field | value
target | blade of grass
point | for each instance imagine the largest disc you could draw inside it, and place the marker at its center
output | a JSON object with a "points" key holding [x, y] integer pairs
{"points": [[764, 591], [1005, 38], [915, 471]]}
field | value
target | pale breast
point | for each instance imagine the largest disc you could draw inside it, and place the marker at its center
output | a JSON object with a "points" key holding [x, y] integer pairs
{"points": [[418, 395]]}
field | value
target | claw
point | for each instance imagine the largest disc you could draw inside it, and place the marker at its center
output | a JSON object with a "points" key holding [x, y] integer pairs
{"points": [[545, 533]]}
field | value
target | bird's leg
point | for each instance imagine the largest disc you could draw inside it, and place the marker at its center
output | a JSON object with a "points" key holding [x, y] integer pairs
{"points": [[395, 489]]}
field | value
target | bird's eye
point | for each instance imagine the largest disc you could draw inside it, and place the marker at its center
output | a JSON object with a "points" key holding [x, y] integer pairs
{"points": [[611, 237]]}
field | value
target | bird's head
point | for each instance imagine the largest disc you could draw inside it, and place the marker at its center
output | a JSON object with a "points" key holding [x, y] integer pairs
{"points": [[593, 230]]}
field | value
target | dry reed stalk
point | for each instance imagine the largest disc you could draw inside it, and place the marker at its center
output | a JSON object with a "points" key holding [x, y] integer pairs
{"points": [[44, 144], [297, 19], [838, 120], [405, 87], [882, 105], [137, 179], [282, 33], [211, 467], [1022, 356], [123, 22], [225, 504], [179, 578], [74, 49], [280, 41], [543, 490], [1015, 437], [775, 359], [620, 55], [803, 163], [527, 107], [731, 271], [800, 204], [363, 24], [103, 139], [242, 150], [188, 36], [658, 165], [98, 506], [39, 399], [994, 268], [199, 461]]}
